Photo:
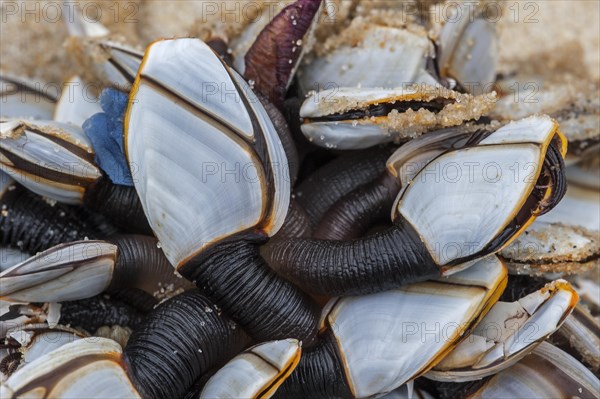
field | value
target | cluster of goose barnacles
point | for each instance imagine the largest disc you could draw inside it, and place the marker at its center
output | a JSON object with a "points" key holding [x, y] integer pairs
{"points": [[223, 224]]}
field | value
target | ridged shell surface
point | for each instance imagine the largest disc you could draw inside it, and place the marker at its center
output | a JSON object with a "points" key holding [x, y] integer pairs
{"points": [[209, 162]]}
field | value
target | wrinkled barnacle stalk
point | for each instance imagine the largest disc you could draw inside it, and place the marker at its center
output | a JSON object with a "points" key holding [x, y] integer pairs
{"points": [[354, 213], [443, 220], [370, 345], [255, 373], [96, 312], [182, 339], [83, 269], [32, 224], [546, 373], [26, 98], [328, 184], [355, 118], [509, 332], [232, 190], [56, 160]]}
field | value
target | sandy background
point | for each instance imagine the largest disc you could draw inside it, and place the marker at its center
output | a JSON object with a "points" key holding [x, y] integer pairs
{"points": [[544, 36]]}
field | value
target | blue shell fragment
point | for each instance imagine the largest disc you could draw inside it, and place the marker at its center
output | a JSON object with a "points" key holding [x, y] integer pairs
{"points": [[105, 131]]}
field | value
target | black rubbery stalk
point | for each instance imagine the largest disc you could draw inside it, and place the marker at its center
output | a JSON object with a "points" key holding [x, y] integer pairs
{"points": [[283, 131], [379, 262], [339, 177], [319, 374], [101, 310], [353, 215], [180, 340], [296, 223], [30, 223], [142, 264], [236, 277], [120, 204]]}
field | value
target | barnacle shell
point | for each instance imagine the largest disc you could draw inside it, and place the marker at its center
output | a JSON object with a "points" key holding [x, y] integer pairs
{"points": [[26, 98], [256, 372], [355, 132], [374, 56], [50, 158], [474, 196], [88, 368], [39, 339], [76, 103], [507, 333], [468, 46], [106, 62], [565, 240], [192, 117], [547, 373], [412, 327], [65, 272]]}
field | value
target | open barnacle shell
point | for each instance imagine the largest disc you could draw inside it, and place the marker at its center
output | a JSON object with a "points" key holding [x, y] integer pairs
{"points": [[477, 205], [193, 117], [25, 98], [372, 56], [17, 315], [255, 373], [468, 46], [347, 118], [564, 240], [507, 333], [62, 273], [36, 340], [90, 368], [412, 328], [50, 158]]}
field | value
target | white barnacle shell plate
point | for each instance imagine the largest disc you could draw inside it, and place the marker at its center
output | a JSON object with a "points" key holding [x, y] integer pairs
{"points": [[391, 337], [87, 368], [65, 272], [463, 199], [468, 47], [43, 339], [256, 372], [26, 98], [209, 162], [384, 57], [52, 159], [348, 134], [566, 239], [546, 373], [76, 104], [507, 333]]}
